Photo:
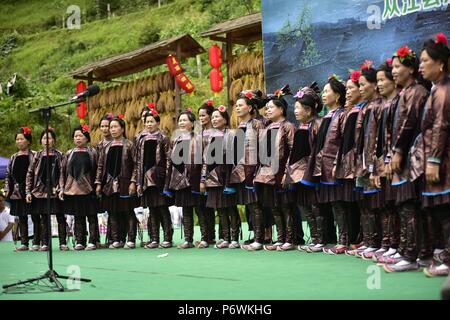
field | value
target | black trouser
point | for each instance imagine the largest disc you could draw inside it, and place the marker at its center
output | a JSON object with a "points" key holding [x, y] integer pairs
{"points": [[123, 224], [230, 223], [204, 222], [354, 223], [284, 221], [322, 216], [442, 214], [298, 227], [340, 212], [257, 217], [188, 224], [37, 229], [62, 229], [80, 229], [370, 226], [207, 222], [327, 224], [390, 227], [430, 236], [310, 213], [160, 216], [23, 229], [409, 235]]}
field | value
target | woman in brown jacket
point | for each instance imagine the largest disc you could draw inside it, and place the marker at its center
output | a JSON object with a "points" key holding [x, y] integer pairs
{"points": [[245, 148], [204, 116], [344, 170], [406, 171], [215, 180], [276, 142], [308, 105], [78, 193], [365, 140], [435, 125], [152, 164], [325, 152], [106, 138], [15, 182], [37, 192], [381, 133], [184, 174], [116, 183]]}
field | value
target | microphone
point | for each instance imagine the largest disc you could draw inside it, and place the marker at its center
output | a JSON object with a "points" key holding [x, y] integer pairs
{"points": [[91, 91]]}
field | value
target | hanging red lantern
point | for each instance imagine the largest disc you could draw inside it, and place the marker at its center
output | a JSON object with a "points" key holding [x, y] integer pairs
{"points": [[174, 65], [216, 80], [82, 106], [184, 83], [215, 56]]}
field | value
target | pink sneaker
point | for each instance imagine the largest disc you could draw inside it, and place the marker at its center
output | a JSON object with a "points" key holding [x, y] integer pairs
{"points": [[436, 271], [339, 249]]}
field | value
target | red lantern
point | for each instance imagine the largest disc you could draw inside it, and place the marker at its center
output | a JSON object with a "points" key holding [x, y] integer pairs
{"points": [[216, 80], [215, 56], [184, 83], [81, 107], [174, 65]]}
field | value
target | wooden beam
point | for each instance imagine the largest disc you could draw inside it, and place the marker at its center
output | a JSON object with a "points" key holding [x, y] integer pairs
{"points": [[216, 38], [91, 79]]}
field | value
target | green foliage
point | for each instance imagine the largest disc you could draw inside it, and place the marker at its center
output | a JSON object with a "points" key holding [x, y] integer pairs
{"points": [[290, 33], [149, 34], [7, 44], [44, 53]]}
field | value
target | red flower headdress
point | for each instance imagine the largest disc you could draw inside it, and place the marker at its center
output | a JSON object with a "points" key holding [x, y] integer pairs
{"points": [[120, 116], [151, 105], [441, 39], [366, 65], [222, 108], [355, 75], [85, 128], [248, 94], [26, 130], [405, 53], [209, 102]]}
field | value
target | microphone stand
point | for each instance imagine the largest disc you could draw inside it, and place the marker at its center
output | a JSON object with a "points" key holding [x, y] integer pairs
{"points": [[51, 274]]}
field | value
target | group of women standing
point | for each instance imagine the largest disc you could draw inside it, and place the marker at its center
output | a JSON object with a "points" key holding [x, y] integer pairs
{"points": [[379, 157]]}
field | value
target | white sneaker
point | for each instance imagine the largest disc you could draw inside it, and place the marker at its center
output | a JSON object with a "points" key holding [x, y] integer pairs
{"points": [[91, 246], [130, 245], [116, 245], [222, 245], [234, 245], [390, 252], [79, 247], [35, 247]]}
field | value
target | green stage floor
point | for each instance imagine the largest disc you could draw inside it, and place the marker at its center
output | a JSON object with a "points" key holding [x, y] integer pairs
{"points": [[213, 274]]}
